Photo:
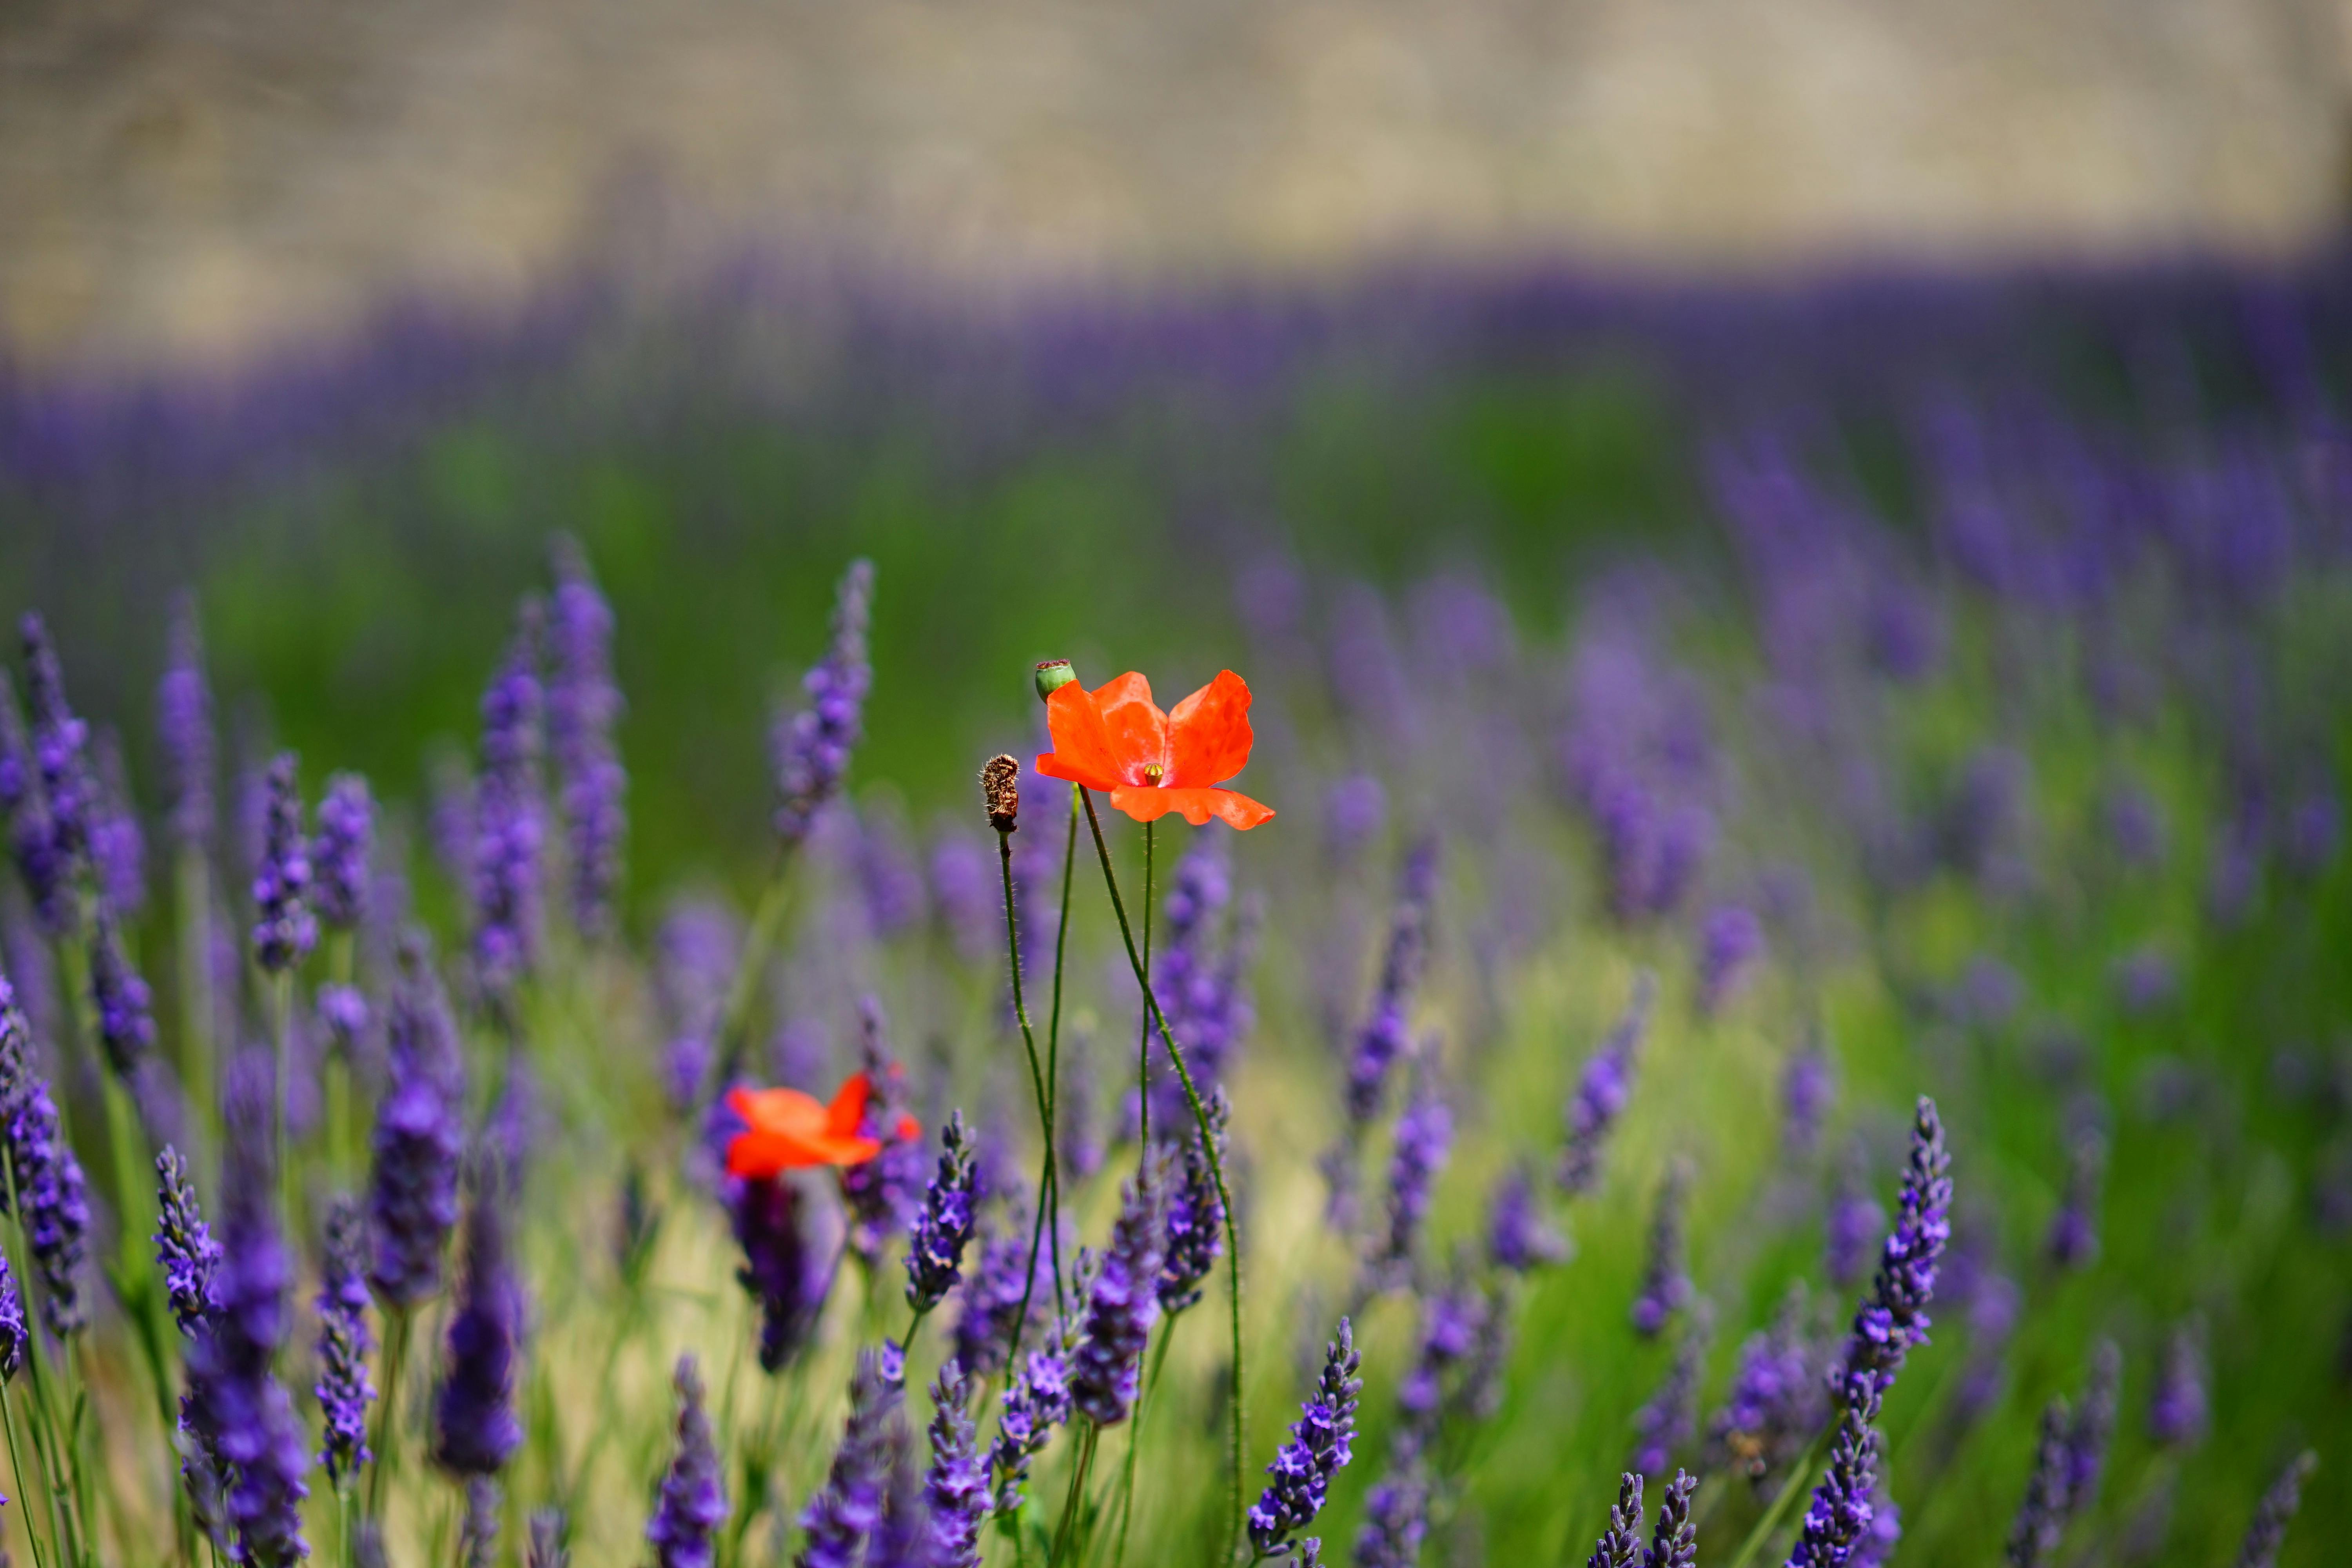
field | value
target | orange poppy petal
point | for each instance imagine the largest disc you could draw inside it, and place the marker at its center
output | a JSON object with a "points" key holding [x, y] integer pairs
{"points": [[776, 1110], [909, 1128], [1209, 733], [841, 1117], [1082, 751], [1197, 805], [1137, 727]]}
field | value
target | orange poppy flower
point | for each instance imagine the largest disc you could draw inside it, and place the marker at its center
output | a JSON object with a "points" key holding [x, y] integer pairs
{"points": [[784, 1128], [1115, 739]]}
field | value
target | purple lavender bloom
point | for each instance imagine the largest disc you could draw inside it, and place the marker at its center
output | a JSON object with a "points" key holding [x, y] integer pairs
{"points": [[1666, 1426], [1396, 1510], [1199, 990], [1665, 1287], [118, 849], [890, 882], [48, 1179], [1674, 1543], [478, 1530], [1893, 1317], [2313, 833], [1777, 1401], [786, 1262], [509, 825], [1886, 1533], [695, 953], [1452, 1321], [2134, 827], [342, 1014], [59, 750], [693, 1499], [1518, 1238], [1621, 1545], [1808, 1087], [1196, 1216], [41, 861], [2178, 1410], [902, 1537], [812, 752], [966, 900], [343, 1389], [583, 705], [184, 1247], [550, 1543], [846, 1509], [15, 1335], [2267, 1534], [338, 855], [2093, 1428], [943, 1228], [284, 929], [1840, 1515], [1035, 1403], [125, 1007], [1855, 1224], [242, 1415], [419, 1137], [1353, 808], [882, 1193], [955, 1487], [2073, 1238], [2042, 1516], [1123, 1306], [1424, 1137], [1320, 1445], [1731, 940], [991, 1296], [1601, 1093], [475, 1430], [1385, 1035], [184, 718]]}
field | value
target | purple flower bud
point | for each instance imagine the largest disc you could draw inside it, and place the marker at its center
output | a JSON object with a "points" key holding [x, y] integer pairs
{"points": [[583, 705], [1731, 940], [955, 1488], [2178, 1410], [48, 1179], [1601, 1093], [343, 1389], [510, 828], [419, 1137], [1123, 1306], [284, 929], [1665, 1288], [1035, 1403], [1319, 1447], [1894, 1318], [1808, 1087], [184, 1247], [125, 1007], [943, 1228], [846, 1509], [184, 718], [338, 855], [475, 1429], [1620, 1545], [2267, 1534], [1518, 1238], [1665, 1426], [787, 1261], [1196, 1216], [692, 1503], [812, 751]]}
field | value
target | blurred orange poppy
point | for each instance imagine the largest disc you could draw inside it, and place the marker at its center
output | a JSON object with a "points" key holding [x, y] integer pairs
{"points": [[1115, 739], [785, 1130]]}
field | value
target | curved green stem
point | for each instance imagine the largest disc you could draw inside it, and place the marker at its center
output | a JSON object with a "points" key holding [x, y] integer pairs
{"points": [[1048, 1177], [1143, 1027], [396, 1356], [1208, 1147]]}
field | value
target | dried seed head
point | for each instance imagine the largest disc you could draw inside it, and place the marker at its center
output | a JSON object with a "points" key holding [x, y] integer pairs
{"points": [[999, 790]]}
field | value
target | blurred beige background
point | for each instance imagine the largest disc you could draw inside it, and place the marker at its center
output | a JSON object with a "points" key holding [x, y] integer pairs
{"points": [[206, 177]]}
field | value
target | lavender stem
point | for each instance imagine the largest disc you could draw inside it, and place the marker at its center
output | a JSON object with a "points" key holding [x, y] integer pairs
{"points": [[1049, 1178]]}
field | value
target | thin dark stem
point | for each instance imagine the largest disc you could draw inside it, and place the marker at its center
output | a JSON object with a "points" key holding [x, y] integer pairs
{"points": [[1135, 1439], [1208, 1147], [396, 1355], [1078, 1474], [1053, 1034], [1143, 1027], [1049, 1175]]}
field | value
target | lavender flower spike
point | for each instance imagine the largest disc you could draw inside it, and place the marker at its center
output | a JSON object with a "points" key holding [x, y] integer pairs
{"points": [[1665, 1285], [344, 1389], [1620, 1543], [1674, 1543], [184, 718], [419, 1137], [1895, 1316], [1424, 1136], [284, 929], [955, 1487], [812, 753], [2094, 1427], [2073, 1239], [509, 830], [846, 1509], [1518, 1238], [2179, 1410], [693, 1499], [785, 1264], [2042, 1516], [1601, 1094], [1665, 1426], [943, 1229], [48, 1179], [125, 1007], [1196, 1216], [60, 752], [1319, 1447], [1035, 1403], [241, 1417], [339, 854], [583, 704], [1123, 1306], [1384, 1036], [1854, 1224], [2275, 1512], [1841, 1513], [14, 1336], [474, 1431]]}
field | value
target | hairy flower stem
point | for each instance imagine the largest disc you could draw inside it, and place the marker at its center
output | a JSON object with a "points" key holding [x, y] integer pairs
{"points": [[1143, 1030], [1800, 1474], [1208, 1147], [192, 883], [1049, 1176], [395, 1358]]}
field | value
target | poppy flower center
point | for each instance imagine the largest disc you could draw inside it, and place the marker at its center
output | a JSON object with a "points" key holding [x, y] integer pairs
{"points": [[1154, 774]]}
